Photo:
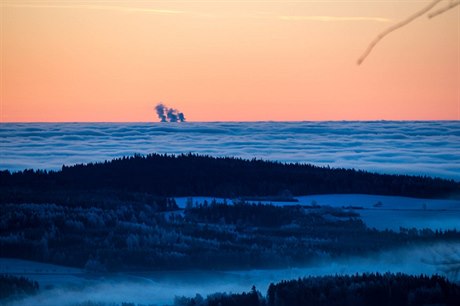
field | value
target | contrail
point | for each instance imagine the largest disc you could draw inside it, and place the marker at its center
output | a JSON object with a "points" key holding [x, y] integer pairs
{"points": [[97, 7], [334, 18], [394, 28]]}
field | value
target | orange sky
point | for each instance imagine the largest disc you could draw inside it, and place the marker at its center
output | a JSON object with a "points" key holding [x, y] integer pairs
{"points": [[226, 60]]}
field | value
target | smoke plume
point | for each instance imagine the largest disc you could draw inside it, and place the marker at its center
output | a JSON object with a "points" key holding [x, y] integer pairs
{"points": [[166, 114]]}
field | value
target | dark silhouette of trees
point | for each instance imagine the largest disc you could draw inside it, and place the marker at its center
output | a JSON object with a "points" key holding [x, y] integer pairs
{"points": [[366, 289], [142, 236], [16, 287], [189, 175], [119, 215], [344, 290]]}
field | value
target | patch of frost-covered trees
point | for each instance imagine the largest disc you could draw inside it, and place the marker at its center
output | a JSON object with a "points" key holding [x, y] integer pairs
{"points": [[213, 235]]}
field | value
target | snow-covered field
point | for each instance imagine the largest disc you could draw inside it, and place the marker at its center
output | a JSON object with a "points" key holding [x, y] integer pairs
{"points": [[391, 212], [380, 212]]}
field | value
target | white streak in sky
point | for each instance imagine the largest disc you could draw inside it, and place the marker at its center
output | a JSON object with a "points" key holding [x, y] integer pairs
{"points": [[334, 18], [98, 7]]}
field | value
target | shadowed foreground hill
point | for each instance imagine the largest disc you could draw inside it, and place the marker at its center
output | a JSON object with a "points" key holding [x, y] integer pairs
{"points": [[355, 290], [187, 175]]}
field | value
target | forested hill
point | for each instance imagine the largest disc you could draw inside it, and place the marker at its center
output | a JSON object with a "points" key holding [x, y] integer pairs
{"points": [[188, 175]]}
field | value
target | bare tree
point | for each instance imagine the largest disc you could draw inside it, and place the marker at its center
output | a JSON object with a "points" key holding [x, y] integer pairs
{"points": [[426, 10]]}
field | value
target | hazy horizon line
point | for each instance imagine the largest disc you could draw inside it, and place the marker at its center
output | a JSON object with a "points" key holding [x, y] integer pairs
{"points": [[242, 121]]}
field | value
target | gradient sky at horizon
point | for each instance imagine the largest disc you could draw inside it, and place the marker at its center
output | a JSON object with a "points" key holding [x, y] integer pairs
{"points": [[226, 60]]}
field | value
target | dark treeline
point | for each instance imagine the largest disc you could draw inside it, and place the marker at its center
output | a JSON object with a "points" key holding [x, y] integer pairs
{"points": [[205, 236], [340, 290], [188, 175], [16, 287], [353, 290], [104, 199]]}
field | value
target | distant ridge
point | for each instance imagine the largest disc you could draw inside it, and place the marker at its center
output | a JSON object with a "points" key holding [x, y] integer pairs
{"points": [[190, 174]]}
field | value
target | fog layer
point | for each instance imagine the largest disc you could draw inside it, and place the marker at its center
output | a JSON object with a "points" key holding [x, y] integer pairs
{"points": [[426, 148], [66, 288]]}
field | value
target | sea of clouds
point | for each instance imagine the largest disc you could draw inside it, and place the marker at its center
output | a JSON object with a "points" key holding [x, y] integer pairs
{"points": [[404, 147]]}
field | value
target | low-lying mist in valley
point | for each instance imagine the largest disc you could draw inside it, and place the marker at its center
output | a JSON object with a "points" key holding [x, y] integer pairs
{"points": [[160, 288], [407, 250]]}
